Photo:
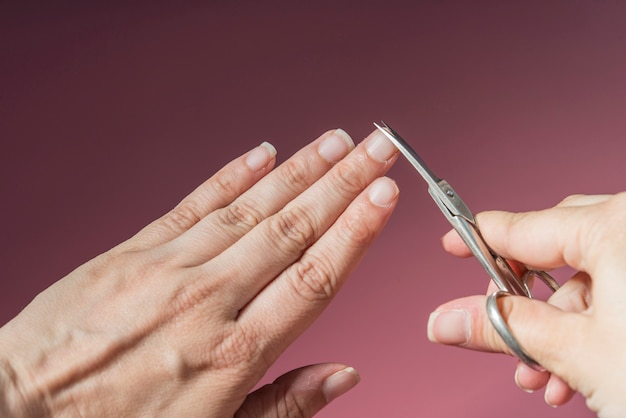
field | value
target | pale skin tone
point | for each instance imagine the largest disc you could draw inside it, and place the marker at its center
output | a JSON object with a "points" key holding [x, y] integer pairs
{"points": [[579, 334], [185, 317]]}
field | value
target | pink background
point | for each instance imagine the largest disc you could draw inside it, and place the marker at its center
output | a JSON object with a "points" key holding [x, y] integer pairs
{"points": [[111, 113]]}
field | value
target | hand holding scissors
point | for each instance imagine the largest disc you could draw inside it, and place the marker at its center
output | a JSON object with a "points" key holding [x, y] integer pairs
{"points": [[579, 336]]}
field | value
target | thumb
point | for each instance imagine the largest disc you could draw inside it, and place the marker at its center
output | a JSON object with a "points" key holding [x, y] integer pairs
{"points": [[300, 393], [548, 334]]}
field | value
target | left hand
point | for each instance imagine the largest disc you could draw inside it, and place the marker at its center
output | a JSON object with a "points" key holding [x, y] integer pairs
{"points": [[185, 318]]}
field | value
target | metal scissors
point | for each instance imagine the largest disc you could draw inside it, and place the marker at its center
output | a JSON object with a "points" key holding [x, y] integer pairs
{"points": [[463, 221]]}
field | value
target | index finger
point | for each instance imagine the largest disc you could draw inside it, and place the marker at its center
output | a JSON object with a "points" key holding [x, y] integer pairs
{"points": [[572, 233]]}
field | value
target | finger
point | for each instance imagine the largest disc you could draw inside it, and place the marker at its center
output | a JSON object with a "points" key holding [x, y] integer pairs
{"points": [[530, 380], [557, 230], [308, 286], [549, 238], [453, 244], [300, 393], [544, 331], [282, 238], [224, 226], [558, 392], [219, 190]]}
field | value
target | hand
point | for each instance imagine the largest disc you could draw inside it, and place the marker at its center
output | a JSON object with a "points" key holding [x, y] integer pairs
{"points": [[184, 318], [579, 336]]}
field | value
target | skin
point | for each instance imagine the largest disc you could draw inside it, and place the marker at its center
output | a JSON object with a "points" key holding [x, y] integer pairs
{"points": [[185, 317], [578, 335]]}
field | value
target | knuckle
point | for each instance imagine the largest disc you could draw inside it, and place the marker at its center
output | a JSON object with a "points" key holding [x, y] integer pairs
{"points": [[187, 298], [290, 405], [113, 272], [240, 215], [570, 200], [238, 350], [355, 228], [616, 205], [224, 183], [348, 178], [292, 228], [599, 232], [516, 223], [184, 216], [280, 401], [295, 174], [195, 291], [314, 279]]}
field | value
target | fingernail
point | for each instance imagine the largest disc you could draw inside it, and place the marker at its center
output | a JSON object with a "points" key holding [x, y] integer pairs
{"points": [[518, 383], [260, 156], [383, 192], [546, 396], [449, 327], [336, 146], [339, 383], [379, 147]]}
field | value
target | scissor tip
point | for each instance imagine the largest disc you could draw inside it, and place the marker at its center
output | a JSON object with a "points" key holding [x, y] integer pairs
{"points": [[382, 125]]}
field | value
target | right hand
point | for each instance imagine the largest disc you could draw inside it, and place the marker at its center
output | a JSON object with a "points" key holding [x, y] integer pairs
{"points": [[579, 336]]}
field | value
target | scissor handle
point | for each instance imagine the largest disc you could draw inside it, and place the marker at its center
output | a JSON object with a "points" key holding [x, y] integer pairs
{"points": [[498, 322], [496, 266], [547, 279], [502, 328]]}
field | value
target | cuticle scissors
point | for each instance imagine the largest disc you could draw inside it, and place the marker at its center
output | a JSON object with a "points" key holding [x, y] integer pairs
{"points": [[462, 220]]}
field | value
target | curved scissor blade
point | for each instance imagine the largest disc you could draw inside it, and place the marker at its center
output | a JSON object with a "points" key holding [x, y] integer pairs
{"points": [[443, 194], [410, 154]]}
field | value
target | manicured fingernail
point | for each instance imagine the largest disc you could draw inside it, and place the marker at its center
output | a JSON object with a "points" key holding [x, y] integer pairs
{"points": [[379, 147], [449, 327], [518, 383], [339, 383], [260, 156], [336, 146], [383, 192]]}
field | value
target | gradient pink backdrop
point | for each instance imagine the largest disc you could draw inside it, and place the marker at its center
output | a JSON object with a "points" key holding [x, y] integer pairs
{"points": [[111, 112]]}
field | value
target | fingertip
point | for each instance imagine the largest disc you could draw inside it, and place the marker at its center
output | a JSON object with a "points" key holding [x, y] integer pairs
{"points": [[455, 321], [339, 383], [302, 392], [379, 147], [453, 244], [450, 327], [519, 384], [557, 392], [335, 146], [260, 157], [530, 380], [383, 192], [445, 240]]}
